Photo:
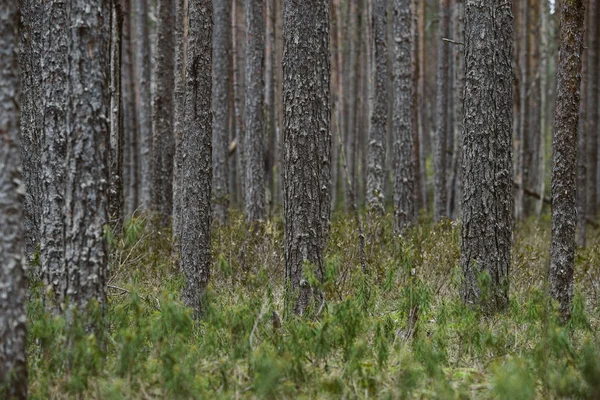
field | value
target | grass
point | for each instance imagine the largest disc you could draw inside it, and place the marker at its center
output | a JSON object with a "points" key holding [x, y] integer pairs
{"points": [[397, 332]]}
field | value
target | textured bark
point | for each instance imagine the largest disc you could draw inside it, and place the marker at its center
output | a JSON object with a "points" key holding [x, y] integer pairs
{"points": [[255, 102], [144, 98], [415, 98], [592, 111], [86, 208], [31, 120], [115, 191], [354, 18], [423, 132], [131, 174], [487, 160], [239, 85], [181, 10], [404, 177], [220, 139], [337, 97], [162, 117], [306, 72], [564, 154], [523, 112], [439, 159], [270, 133], [13, 287], [56, 109], [197, 157], [544, 72], [582, 140], [377, 134]]}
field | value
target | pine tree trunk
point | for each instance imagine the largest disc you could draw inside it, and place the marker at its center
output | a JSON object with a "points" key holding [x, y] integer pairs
{"points": [[86, 208], [13, 312], [439, 159], [115, 191], [403, 116], [197, 157], [180, 68], [524, 112], [377, 134], [564, 154], [221, 67], [306, 71], [255, 102], [144, 96], [162, 117], [582, 140], [423, 132], [239, 89], [270, 133], [592, 111], [31, 121], [487, 160]]}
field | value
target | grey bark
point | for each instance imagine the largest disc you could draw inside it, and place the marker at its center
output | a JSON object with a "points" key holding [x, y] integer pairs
{"points": [[564, 154], [255, 102], [13, 286], [487, 152], [421, 111], [86, 198], [197, 157], [306, 79], [270, 133], [239, 85], [524, 111], [162, 117], [377, 133], [180, 68], [581, 142], [404, 177], [221, 81], [439, 154], [144, 96], [592, 111], [31, 120], [115, 191]]}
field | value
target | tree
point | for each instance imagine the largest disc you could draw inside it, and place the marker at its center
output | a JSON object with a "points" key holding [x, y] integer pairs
{"points": [[255, 101], [439, 154], [564, 154], [377, 134], [197, 158], [592, 111], [86, 197], [404, 177], [13, 288], [487, 146], [306, 75], [221, 103], [581, 143], [143, 80], [162, 107]]}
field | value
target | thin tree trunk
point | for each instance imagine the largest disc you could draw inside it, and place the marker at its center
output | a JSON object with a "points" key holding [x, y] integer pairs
{"points": [[592, 111], [421, 106], [439, 160], [115, 191], [270, 133], [162, 117], [306, 70], [221, 66], [197, 157], [582, 140], [403, 116], [239, 90], [487, 160], [336, 85], [544, 72], [180, 68], [13, 311], [564, 154], [144, 96], [377, 134], [86, 208], [255, 101], [524, 111], [418, 195]]}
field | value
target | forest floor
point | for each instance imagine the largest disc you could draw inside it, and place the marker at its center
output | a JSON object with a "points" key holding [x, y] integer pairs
{"points": [[397, 331]]}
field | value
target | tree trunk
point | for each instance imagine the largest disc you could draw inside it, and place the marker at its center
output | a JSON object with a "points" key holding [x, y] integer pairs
{"points": [[306, 71], [377, 134], [581, 195], [487, 160], [144, 96], [592, 111], [13, 312], [564, 154], [404, 195], [197, 157], [439, 159], [115, 191], [255, 102], [270, 133], [524, 112], [180, 68], [162, 117], [86, 208], [31, 120], [221, 67], [421, 102], [239, 85]]}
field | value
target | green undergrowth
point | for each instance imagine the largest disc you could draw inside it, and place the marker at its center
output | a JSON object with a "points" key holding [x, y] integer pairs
{"points": [[398, 331]]}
